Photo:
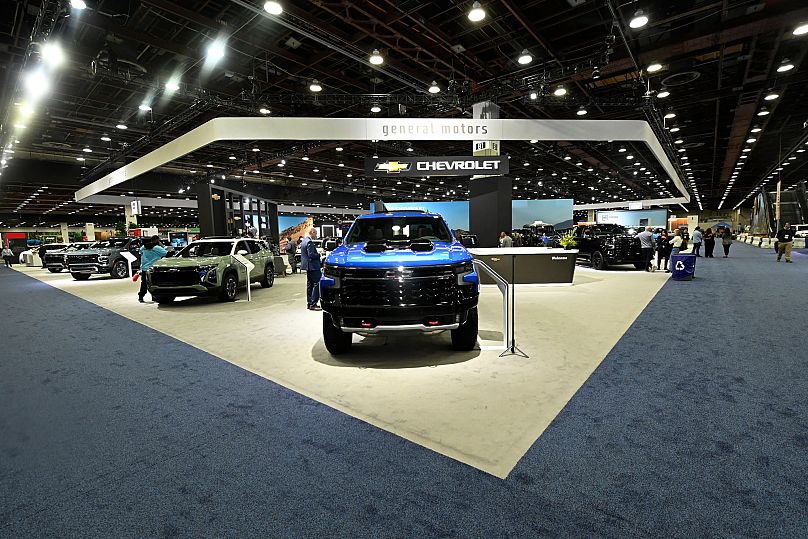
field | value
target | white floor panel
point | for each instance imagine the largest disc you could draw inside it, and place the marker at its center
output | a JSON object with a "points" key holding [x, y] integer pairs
{"points": [[475, 407]]}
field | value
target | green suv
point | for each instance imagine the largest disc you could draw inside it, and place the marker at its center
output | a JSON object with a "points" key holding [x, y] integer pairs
{"points": [[210, 267]]}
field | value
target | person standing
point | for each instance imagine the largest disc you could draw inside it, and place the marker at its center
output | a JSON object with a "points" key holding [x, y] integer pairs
{"points": [[150, 253], [697, 238], [726, 241], [663, 250], [676, 242], [709, 243], [291, 250], [8, 256], [505, 240], [646, 238], [310, 262], [785, 239]]}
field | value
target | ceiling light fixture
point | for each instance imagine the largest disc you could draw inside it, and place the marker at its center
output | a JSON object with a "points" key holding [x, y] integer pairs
{"points": [[172, 85], [560, 91], [524, 58], [801, 30], [771, 96], [581, 111], [216, 51], [534, 96], [756, 129], [78, 4], [144, 107], [653, 68], [477, 13], [315, 86], [264, 110], [375, 108], [105, 138], [763, 112], [670, 115], [785, 65], [52, 54], [639, 20], [121, 126], [663, 94], [87, 150], [36, 84], [376, 58], [434, 88], [273, 8]]}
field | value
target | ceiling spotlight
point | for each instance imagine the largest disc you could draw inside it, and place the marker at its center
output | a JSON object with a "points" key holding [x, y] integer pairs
{"points": [[524, 58], [663, 94], [639, 20], [763, 112], [315, 86], [750, 140], [581, 111], [216, 50], [264, 110], [771, 96], [172, 85], [670, 115], [477, 12], [273, 8], [52, 54], [534, 96], [434, 88], [756, 129], [305, 158], [678, 141], [785, 65], [653, 68], [79, 159], [232, 157], [106, 139], [800, 30], [674, 129], [78, 4], [87, 150], [121, 126], [338, 148], [560, 91], [36, 84], [375, 108], [20, 126], [144, 107], [595, 73], [376, 58]]}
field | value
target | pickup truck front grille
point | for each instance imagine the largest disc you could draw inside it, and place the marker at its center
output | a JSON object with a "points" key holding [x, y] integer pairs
{"points": [[82, 259], [391, 287], [174, 276]]}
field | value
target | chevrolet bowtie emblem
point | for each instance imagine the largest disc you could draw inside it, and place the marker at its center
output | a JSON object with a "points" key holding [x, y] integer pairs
{"points": [[393, 167]]}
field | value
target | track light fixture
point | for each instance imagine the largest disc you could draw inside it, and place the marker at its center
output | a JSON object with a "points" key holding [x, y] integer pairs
{"points": [[376, 58], [582, 111], [560, 91], [785, 65], [477, 12], [524, 58], [434, 88], [639, 20], [315, 86]]}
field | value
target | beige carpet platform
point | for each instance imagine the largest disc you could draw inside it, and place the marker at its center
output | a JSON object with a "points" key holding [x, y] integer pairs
{"points": [[476, 407]]}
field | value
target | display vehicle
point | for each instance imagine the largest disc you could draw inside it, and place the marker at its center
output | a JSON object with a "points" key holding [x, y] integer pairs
{"points": [[605, 245], [56, 261], [399, 271], [105, 257], [36, 249], [209, 267]]}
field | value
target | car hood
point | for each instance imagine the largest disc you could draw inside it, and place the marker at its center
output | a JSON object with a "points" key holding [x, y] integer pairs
{"points": [[84, 252], [180, 262], [355, 256]]}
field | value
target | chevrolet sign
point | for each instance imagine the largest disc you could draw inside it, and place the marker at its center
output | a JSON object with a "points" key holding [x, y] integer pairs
{"points": [[436, 166]]}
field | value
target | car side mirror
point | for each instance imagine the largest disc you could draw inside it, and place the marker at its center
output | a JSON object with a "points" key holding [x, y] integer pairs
{"points": [[330, 245], [242, 252]]}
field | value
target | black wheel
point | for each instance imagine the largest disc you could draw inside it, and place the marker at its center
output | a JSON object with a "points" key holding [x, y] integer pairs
{"points": [[465, 337], [269, 277], [336, 341], [229, 287], [119, 269], [55, 270], [163, 299], [80, 276], [599, 261]]}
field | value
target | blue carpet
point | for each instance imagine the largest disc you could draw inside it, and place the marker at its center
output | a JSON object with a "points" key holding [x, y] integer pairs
{"points": [[694, 425]]}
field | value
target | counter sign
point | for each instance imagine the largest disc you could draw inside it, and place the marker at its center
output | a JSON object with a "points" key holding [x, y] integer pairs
{"points": [[436, 166]]}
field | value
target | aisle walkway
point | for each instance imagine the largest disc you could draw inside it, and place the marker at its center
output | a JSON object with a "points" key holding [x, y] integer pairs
{"points": [[693, 425]]}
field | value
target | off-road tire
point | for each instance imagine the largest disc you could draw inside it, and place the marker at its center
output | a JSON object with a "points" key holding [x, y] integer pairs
{"points": [[269, 277], [336, 341], [229, 290], [599, 261], [119, 270], [55, 270], [464, 338]]}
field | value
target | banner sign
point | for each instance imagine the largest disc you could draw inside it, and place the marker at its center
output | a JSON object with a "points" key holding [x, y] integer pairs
{"points": [[453, 165]]}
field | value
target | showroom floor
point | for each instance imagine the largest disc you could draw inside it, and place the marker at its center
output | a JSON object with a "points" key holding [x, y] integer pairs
{"points": [[692, 425]]}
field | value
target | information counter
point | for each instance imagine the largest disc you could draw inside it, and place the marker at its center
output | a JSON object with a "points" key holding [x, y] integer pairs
{"points": [[531, 265]]}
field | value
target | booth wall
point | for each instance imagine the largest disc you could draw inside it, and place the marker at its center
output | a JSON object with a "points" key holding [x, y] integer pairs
{"points": [[631, 218]]}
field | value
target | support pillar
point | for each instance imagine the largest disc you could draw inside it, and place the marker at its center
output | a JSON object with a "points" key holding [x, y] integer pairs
{"points": [[89, 232], [131, 219], [591, 216], [489, 196], [65, 233]]}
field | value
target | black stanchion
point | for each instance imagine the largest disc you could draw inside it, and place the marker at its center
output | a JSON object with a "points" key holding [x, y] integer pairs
{"points": [[512, 349]]}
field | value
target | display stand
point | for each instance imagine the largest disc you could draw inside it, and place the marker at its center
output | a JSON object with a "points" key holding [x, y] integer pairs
{"points": [[248, 266], [508, 290], [129, 259]]}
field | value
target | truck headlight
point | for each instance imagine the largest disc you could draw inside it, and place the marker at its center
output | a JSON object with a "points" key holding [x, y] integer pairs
{"points": [[331, 276], [465, 274]]}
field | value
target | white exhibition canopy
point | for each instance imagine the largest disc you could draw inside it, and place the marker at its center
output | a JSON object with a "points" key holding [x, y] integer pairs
{"points": [[370, 129]]}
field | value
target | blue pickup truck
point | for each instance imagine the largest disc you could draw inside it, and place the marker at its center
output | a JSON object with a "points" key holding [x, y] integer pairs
{"points": [[399, 271]]}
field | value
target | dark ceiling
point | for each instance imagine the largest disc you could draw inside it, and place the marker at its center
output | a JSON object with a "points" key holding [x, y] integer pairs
{"points": [[719, 60]]}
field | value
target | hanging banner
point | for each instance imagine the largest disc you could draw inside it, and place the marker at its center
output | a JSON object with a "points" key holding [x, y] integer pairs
{"points": [[455, 165]]}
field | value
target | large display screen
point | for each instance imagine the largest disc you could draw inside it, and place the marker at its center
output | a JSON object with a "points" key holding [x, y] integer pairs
{"points": [[634, 218]]}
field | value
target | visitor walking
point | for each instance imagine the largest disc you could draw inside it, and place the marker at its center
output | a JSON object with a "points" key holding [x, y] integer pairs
{"points": [[310, 262], [726, 241], [150, 253], [709, 243], [697, 238], [646, 238], [291, 251], [505, 240], [8, 256], [676, 242], [663, 250], [785, 239]]}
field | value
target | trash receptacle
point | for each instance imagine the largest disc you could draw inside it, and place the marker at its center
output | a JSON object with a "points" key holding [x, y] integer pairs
{"points": [[683, 267]]}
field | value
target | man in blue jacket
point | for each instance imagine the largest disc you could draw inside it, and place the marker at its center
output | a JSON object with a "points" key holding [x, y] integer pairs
{"points": [[310, 263]]}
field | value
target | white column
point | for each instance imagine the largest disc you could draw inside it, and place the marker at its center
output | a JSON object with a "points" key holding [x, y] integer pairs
{"points": [[65, 235], [89, 231]]}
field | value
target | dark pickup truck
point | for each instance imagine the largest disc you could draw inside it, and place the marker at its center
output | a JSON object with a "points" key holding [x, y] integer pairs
{"points": [[607, 245], [105, 257]]}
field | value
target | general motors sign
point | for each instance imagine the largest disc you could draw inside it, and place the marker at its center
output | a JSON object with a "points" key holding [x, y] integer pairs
{"points": [[453, 165]]}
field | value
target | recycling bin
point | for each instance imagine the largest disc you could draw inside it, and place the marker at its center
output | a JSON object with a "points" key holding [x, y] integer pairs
{"points": [[683, 267]]}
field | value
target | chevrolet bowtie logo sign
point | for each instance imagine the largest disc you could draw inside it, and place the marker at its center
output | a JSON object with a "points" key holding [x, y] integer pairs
{"points": [[392, 167], [437, 166]]}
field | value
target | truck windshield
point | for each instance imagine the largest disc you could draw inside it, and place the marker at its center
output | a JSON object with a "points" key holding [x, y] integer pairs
{"points": [[395, 229], [207, 248]]}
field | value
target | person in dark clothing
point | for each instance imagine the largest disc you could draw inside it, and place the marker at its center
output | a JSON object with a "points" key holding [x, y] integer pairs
{"points": [[8, 256], [785, 239], [726, 241], [310, 261], [646, 238], [41, 252], [664, 249], [150, 253], [697, 239], [291, 251], [709, 243]]}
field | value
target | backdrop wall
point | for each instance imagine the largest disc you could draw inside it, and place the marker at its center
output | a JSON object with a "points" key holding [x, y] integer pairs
{"points": [[634, 218]]}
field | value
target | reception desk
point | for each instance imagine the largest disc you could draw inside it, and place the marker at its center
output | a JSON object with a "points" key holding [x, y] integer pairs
{"points": [[531, 265]]}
